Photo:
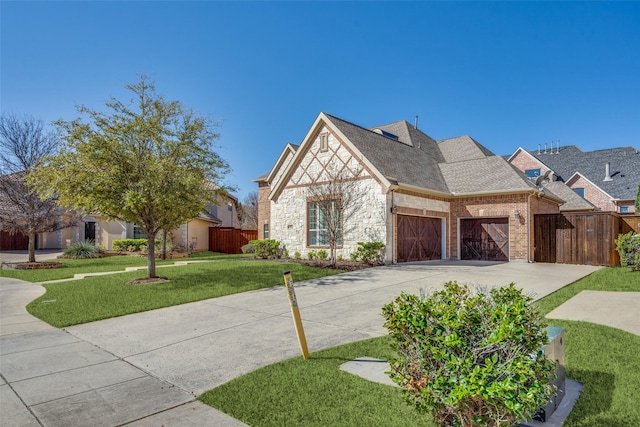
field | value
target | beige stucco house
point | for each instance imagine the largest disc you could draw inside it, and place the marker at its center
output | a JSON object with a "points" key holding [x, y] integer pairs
{"points": [[425, 199]]}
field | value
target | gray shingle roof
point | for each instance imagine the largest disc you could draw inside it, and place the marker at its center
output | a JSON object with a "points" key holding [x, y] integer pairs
{"points": [[573, 201], [462, 148], [415, 164], [485, 174], [624, 167]]}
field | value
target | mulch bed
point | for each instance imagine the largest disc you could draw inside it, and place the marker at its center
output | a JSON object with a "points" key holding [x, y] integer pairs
{"points": [[340, 265], [31, 265]]}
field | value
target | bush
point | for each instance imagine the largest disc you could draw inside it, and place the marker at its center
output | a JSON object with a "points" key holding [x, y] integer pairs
{"points": [[285, 254], [323, 255], [266, 248], [369, 252], [470, 359], [628, 246], [248, 249], [83, 250], [296, 255], [131, 245], [311, 255]]}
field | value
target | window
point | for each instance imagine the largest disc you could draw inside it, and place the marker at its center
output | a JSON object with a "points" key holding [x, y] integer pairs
{"points": [[579, 191], [317, 227], [624, 209], [532, 173], [324, 142], [265, 230], [138, 233]]}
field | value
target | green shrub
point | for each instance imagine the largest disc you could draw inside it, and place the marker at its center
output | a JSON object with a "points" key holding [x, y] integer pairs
{"points": [[369, 252], [470, 359], [83, 250], [628, 246], [323, 255], [339, 258], [131, 245], [248, 249], [266, 248], [311, 255], [285, 254], [296, 255]]}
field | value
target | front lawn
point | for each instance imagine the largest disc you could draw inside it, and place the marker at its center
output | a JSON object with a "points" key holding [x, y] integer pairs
{"points": [[95, 265], [103, 297], [315, 392]]}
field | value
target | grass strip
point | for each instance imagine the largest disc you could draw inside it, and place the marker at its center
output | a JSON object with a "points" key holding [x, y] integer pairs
{"points": [[315, 392], [103, 297], [97, 265]]}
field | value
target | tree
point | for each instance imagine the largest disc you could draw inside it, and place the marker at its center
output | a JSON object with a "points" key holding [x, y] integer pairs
{"points": [[248, 211], [638, 200], [335, 199], [24, 143], [150, 162]]}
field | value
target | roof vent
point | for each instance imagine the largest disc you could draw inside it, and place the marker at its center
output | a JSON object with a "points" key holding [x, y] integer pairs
{"points": [[607, 172]]}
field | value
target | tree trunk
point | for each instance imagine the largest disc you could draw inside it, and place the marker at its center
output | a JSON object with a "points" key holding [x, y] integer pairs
{"points": [[32, 247], [151, 255], [164, 244]]}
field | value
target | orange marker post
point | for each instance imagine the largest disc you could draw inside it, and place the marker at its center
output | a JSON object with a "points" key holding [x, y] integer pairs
{"points": [[295, 312]]}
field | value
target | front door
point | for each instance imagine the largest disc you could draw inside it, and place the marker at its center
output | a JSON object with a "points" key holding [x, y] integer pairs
{"points": [[90, 231]]}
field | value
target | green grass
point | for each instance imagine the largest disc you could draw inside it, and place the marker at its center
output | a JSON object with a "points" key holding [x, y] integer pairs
{"points": [[94, 265], [103, 297], [315, 392]]}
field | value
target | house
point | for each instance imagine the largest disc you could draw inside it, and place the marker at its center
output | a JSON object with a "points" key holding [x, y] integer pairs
{"points": [[425, 199], [192, 235], [608, 179]]}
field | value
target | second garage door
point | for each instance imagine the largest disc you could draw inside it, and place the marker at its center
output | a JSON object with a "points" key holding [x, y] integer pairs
{"points": [[484, 239], [419, 239]]}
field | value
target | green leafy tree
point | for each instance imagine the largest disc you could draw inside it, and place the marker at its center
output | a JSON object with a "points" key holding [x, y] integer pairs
{"points": [[638, 200], [150, 162], [470, 359]]}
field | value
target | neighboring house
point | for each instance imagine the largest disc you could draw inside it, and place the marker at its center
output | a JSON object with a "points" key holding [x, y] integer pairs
{"points": [[608, 179], [425, 199], [192, 235]]}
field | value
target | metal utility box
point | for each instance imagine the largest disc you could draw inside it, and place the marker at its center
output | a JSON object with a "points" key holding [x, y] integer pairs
{"points": [[554, 351]]}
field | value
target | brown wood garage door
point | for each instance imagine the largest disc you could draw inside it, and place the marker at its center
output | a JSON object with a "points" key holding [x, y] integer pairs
{"points": [[419, 239], [13, 242], [484, 239]]}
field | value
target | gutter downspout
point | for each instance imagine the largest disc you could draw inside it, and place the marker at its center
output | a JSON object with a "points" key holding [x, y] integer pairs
{"points": [[529, 228]]}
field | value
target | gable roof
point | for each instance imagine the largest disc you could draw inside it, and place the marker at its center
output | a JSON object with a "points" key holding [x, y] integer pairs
{"points": [[573, 201], [399, 154], [624, 167], [412, 161]]}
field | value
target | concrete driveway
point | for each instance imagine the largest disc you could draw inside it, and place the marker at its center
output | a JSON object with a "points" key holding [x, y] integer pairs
{"points": [[145, 369], [201, 345]]}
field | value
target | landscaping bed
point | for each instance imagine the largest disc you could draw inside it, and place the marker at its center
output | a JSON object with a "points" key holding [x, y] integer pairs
{"points": [[31, 265]]}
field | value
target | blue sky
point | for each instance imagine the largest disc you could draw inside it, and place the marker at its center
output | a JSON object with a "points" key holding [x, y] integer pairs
{"points": [[508, 74]]}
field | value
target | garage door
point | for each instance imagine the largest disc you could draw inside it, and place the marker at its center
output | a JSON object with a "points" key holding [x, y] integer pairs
{"points": [[484, 239], [419, 239]]}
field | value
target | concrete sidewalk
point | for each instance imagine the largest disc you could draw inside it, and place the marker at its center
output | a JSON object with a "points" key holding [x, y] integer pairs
{"points": [[124, 370]]}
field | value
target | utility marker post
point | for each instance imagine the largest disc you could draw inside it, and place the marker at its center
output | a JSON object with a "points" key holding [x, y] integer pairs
{"points": [[297, 321]]}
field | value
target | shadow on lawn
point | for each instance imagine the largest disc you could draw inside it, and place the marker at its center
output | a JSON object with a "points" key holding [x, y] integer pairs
{"points": [[596, 397]]}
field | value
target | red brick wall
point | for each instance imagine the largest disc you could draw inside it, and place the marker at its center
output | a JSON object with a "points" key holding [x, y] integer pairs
{"points": [[593, 194], [493, 206], [520, 229], [525, 161], [264, 208]]}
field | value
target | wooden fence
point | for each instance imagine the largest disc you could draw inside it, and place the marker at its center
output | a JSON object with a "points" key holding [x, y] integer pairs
{"points": [[581, 238], [230, 240]]}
